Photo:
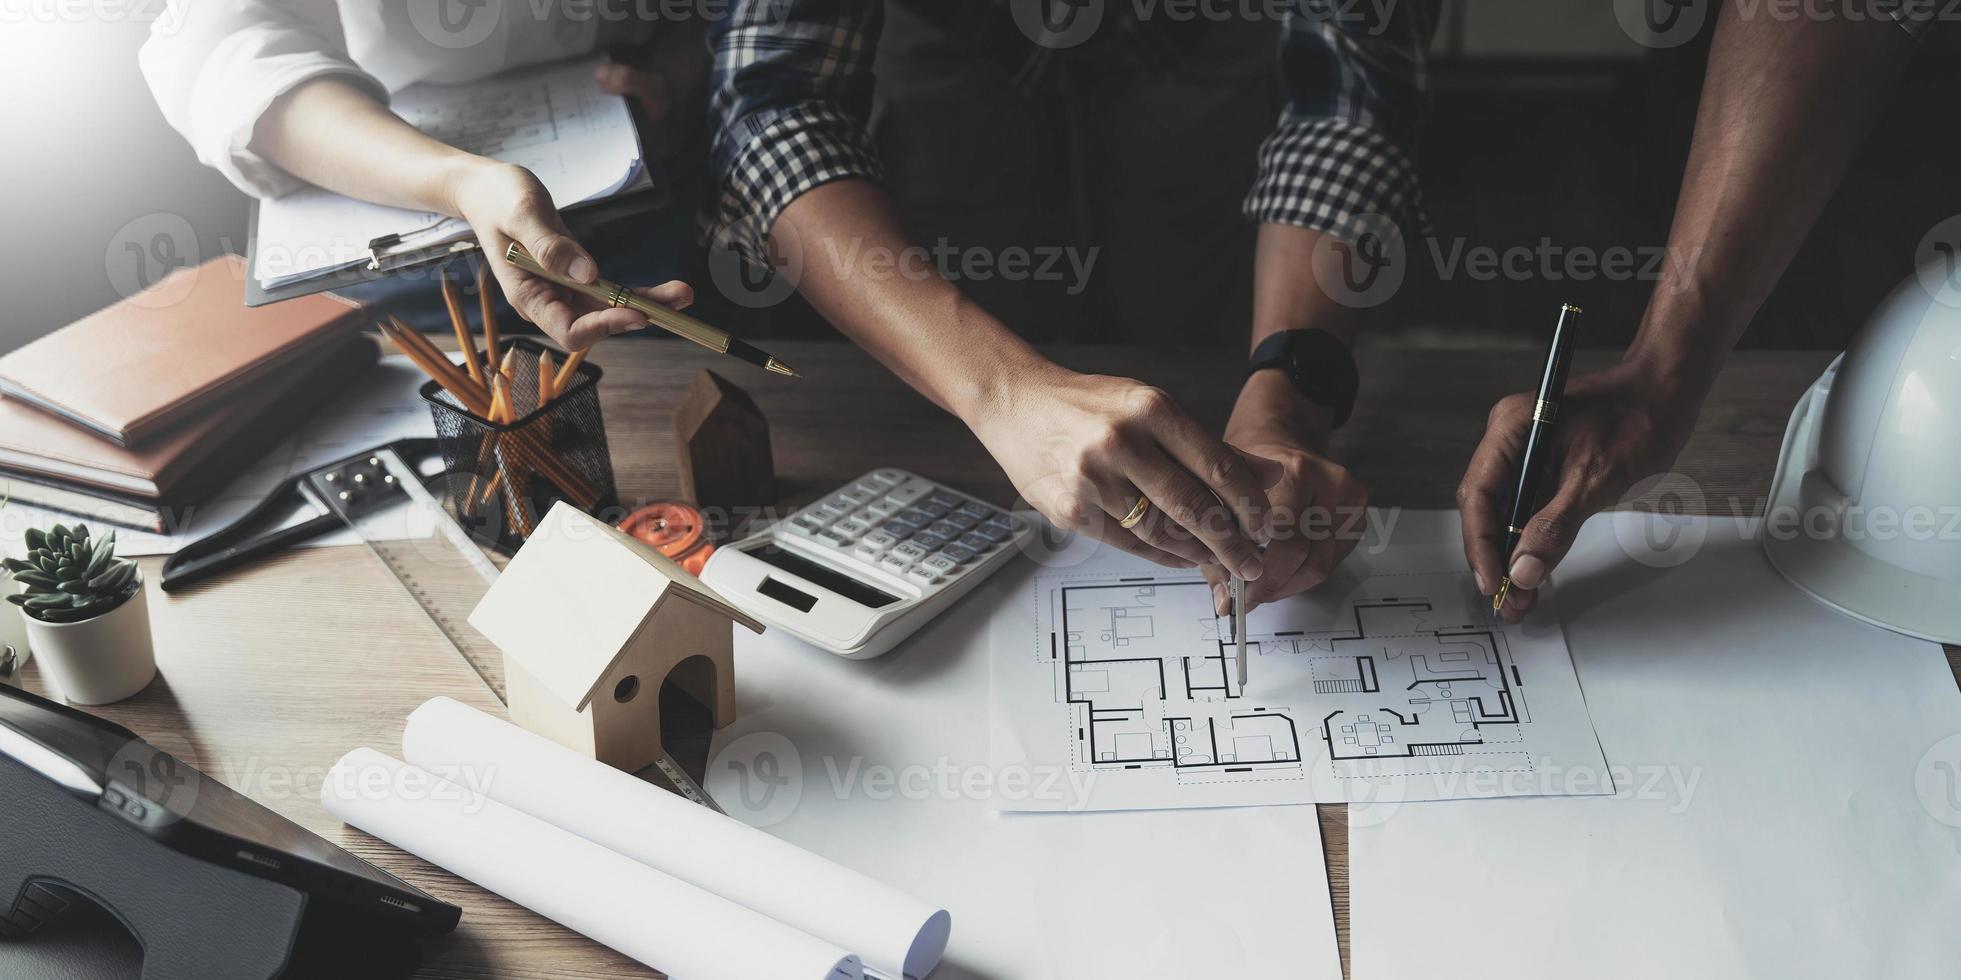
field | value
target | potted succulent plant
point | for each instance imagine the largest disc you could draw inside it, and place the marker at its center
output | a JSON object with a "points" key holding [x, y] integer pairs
{"points": [[87, 616]]}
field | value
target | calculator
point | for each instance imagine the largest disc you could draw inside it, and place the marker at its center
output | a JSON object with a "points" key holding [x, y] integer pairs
{"points": [[862, 568]]}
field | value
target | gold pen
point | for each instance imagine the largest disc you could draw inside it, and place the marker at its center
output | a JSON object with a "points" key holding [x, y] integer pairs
{"points": [[676, 323]]}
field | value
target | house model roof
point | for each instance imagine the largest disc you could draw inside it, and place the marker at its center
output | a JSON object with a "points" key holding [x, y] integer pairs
{"points": [[577, 594]]}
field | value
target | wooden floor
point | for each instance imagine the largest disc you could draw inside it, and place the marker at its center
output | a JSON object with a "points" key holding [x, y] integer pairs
{"points": [[271, 675]]}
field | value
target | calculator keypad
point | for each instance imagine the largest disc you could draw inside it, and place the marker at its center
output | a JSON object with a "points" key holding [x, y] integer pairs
{"points": [[905, 526]]}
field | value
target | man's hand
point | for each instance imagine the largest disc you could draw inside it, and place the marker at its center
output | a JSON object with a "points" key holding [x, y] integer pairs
{"points": [[1083, 448], [505, 203], [1316, 510], [1615, 427]]}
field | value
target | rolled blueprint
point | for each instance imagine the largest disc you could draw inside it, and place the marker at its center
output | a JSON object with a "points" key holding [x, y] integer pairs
{"points": [[895, 934], [664, 923]]}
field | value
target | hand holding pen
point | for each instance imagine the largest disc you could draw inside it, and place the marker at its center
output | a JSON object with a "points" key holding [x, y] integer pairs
{"points": [[506, 204], [1538, 475]]}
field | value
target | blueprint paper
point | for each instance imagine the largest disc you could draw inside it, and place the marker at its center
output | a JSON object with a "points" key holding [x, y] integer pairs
{"points": [[894, 932], [1790, 808], [1393, 681], [652, 917], [882, 766]]}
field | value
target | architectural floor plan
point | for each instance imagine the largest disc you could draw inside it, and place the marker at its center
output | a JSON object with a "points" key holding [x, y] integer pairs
{"points": [[1391, 682]]}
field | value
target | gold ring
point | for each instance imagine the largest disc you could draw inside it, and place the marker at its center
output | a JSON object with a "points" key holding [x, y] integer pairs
{"points": [[1136, 513]]}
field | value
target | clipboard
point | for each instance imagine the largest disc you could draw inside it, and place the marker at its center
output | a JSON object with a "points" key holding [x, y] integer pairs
{"points": [[385, 258]]}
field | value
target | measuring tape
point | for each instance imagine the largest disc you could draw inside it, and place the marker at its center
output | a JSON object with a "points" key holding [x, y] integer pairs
{"points": [[384, 500]]}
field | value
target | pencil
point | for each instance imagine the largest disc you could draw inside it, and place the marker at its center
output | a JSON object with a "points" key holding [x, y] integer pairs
{"points": [[435, 365], [531, 449], [516, 509], [547, 375], [508, 371], [489, 308], [453, 298], [569, 371]]}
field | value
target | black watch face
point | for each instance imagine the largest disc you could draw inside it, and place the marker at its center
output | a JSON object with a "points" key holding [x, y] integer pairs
{"points": [[1310, 376]]}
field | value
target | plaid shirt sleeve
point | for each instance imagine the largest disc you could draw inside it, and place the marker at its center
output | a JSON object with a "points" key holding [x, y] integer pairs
{"points": [[792, 87], [1345, 145]]}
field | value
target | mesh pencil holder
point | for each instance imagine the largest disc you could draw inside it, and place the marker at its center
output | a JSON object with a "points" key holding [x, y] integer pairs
{"points": [[501, 479]]}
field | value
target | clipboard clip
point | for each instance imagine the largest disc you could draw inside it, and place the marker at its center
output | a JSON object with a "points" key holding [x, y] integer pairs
{"points": [[388, 253]]}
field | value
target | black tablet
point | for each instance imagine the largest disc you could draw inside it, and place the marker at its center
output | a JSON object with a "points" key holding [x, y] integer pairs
{"points": [[181, 808]]}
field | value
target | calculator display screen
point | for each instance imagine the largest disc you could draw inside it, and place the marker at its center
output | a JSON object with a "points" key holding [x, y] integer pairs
{"points": [[836, 581]]}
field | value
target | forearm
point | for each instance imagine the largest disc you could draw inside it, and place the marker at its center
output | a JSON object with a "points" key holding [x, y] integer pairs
{"points": [[1784, 108], [1287, 295], [851, 253], [333, 134]]}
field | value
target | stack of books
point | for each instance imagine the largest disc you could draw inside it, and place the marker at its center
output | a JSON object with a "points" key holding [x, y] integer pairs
{"points": [[142, 411]]}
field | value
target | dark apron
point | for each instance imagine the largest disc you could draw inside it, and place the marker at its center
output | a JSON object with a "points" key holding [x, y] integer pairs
{"points": [[1139, 151]]}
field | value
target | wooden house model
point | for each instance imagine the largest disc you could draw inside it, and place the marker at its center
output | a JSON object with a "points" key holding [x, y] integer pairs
{"points": [[591, 623]]}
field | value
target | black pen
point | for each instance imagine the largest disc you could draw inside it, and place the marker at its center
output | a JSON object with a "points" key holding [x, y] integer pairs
{"points": [[1538, 440]]}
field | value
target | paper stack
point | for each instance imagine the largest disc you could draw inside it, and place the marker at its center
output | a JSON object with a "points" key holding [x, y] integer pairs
{"points": [[674, 885]]}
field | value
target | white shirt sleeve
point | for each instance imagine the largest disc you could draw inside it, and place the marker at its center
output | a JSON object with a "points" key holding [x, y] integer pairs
{"points": [[215, 66]]}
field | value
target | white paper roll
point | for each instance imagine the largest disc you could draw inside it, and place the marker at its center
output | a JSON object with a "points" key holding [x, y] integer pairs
{"points": [[894, 934], [664, 923]]}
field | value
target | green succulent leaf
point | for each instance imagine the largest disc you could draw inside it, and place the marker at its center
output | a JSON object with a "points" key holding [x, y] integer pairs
{"points": [[99, 555], [70, 574]]}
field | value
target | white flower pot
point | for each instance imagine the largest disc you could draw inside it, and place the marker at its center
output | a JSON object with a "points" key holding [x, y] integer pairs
{"points": [[98, 660], [13, 633]]}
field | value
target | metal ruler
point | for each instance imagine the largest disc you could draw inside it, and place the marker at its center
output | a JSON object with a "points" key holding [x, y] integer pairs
{"points": [[387, 503]]}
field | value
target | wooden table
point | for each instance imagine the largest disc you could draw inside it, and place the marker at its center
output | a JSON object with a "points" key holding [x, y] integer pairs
{"points": [[269, 676]]}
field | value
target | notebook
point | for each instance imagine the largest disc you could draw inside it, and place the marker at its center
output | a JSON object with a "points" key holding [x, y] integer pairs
{"points": [[46, 462], [127, 373]]}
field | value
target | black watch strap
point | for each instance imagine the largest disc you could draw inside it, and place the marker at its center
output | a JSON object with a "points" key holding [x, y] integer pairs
{"points": [[1319, 365]]}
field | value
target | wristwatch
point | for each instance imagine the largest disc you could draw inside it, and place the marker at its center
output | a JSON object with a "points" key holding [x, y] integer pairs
{"points": [[1318, 364]]}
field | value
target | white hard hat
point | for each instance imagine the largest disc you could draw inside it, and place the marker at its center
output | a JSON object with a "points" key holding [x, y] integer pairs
{"points": [[1865, 510]]}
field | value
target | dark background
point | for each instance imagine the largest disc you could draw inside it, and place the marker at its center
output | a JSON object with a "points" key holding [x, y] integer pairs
{"points": [[1547, 121]]}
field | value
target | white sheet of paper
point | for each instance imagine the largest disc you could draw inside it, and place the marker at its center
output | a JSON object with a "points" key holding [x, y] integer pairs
{"points": [[555, 121], [884, 928], [652, 917], [383, 407], [1393, 681], [1787, 804], [883, 766]]}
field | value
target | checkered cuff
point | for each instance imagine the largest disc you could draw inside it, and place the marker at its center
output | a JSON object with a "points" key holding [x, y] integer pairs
{"points": [[1914, 16], [1330, 174], [803, 147]]}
